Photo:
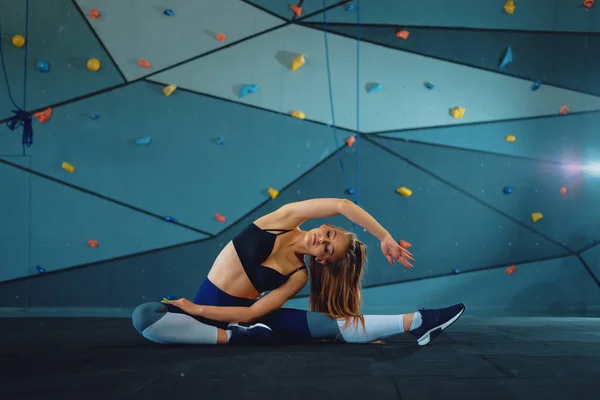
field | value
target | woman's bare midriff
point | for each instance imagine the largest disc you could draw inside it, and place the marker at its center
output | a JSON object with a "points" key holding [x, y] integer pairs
{"points": [[228, 274]]}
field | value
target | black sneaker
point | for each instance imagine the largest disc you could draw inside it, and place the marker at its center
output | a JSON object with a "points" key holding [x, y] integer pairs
{"points": [[435, 321], [249, 334]]}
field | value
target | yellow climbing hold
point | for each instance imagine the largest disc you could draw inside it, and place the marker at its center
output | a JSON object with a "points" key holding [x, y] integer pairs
{"points": [[509, 7], [457, 112], [536, 216], [18, 40], [68, 167], [168, 90], [273, 193], [298, 114], [511, 138], [93, 64], [298, 62], [404, 191]]}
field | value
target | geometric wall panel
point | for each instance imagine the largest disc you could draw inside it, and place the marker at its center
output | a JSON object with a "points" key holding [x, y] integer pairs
{"points": [[282, 9], [403, 103], [59, 36], [63, 219], [183, 173], [535, 15], [138, 29], [553, 58], [592, 258], [567, 139], [571, 219]]}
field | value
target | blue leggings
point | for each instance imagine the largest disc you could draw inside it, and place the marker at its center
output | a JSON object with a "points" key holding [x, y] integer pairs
{"points": [[287, 324]]}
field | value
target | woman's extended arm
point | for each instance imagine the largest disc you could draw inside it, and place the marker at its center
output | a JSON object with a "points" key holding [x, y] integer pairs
{"points": [[271, 302]]}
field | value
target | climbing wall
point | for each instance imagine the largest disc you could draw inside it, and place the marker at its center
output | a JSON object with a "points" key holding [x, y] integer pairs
{"points": [[160, 131]]}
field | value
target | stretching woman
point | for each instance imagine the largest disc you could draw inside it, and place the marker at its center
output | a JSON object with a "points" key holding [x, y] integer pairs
{"points": [[227, 307]]}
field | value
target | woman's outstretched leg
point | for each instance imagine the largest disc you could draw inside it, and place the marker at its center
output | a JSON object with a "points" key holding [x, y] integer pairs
{"points": [[161, 324]]}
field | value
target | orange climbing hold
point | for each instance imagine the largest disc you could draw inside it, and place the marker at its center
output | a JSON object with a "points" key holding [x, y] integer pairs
{"points": [[563, 190], [297, 10], [564, 110], [404, 244], [588, 4], [144, 63], [43, 116], [92, 243], [350, 141], [511, 270], [403, 34], [219, 218], [221, 37], [94, 13]]}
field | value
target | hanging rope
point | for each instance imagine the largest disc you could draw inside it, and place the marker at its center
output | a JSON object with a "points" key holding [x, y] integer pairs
{"points": [[21, 117], [355, 189]]}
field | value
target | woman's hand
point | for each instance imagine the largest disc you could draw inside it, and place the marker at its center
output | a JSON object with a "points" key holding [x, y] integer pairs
{"points": [[183, 304], [393, 251]]}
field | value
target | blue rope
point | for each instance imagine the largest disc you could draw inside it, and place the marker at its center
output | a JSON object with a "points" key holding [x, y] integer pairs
{"points": [[21, 117], [355, 188]]}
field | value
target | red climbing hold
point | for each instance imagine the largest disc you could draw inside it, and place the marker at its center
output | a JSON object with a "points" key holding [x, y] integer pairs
{"points": [[297, 10], [588, 4], [404, 244], [511, 270], [94, 13], [92, 243], [43, 116]]}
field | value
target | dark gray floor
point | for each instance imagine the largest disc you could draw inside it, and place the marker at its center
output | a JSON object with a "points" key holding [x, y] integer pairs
{"points": [[507, 358]]}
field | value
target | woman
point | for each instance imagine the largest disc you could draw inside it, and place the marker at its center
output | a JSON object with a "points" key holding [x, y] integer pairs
{"points": [[268, 255]]}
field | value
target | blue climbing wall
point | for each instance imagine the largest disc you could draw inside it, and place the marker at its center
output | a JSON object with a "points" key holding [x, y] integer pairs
{"points": [[214, 152]]}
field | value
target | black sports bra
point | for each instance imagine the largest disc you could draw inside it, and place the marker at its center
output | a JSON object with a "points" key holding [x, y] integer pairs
{"points": [[253, 246]]}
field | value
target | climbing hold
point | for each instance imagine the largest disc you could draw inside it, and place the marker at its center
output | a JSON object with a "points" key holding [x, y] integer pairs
{"points": [[404, 244], [93, 64], [563, 190], [402, 34], [170, 219], [298, 114], [94, 13], [349, 7], [41, 270], [18, 41], [350, 141], [509, 7], [588, 4], [536, 216], [564, 110], [68, 167], [272, 192], [94, 116], [508, 189], [507, 59], [372, 88], [92, 243], [429, 85], [43, 116], [511, 138], [456, 271], [219, 140], [457, 112], [169, 13], [220, 37], [143, 141], [298, 62], [169, 89], [296, 10], [350, 191], [536, 85], [144, 63], [219, 218], [404, 191], [43, 66], [247, 89], [511, 270]]}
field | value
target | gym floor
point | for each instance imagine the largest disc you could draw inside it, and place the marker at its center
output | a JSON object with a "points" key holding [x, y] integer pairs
{"points": [[499, 358]]}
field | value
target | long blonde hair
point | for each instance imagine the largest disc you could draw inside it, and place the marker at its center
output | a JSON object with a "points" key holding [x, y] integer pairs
{"points": [[336, 288]]}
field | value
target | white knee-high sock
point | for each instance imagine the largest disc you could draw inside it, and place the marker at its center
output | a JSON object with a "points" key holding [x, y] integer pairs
{"points": [[377, 327], [175, 328]]}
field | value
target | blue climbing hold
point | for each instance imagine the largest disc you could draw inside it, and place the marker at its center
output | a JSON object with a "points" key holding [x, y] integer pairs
{"points": [[456, 271], [219, 140], [170, 219], [373, 88], [40, 269], [536, 86], [508, 57], [94, 116], [143, 141], [169, 12], [247, 89], [508, 189], [349, 7], [350, 191], [429, 85], [43, 66]]}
